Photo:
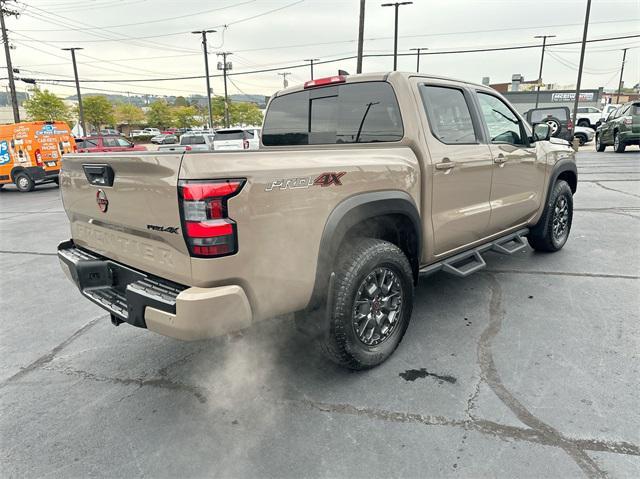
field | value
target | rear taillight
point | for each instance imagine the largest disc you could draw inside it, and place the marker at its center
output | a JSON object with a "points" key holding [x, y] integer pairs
{"points": [[208, 230], [38, 158], [628, 120], [245, 144], [570, 125], [187, 148]]}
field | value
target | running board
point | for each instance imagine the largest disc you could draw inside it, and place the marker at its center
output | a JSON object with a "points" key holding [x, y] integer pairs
{"points": [[469, 262]]}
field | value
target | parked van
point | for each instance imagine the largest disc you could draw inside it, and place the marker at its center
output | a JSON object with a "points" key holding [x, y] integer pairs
{"points": [[31, 152]]}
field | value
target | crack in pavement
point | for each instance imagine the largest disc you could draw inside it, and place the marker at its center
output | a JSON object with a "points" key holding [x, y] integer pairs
{"points": [[50, 356], [483, 426], [616, 190], [491, 377], [562, 273], [158, 382], [623, 180]]}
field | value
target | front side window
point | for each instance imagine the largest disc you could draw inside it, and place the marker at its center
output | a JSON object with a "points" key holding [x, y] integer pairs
{"points": [[503, 125], [109, 143], [448, 114], [364, 112]]}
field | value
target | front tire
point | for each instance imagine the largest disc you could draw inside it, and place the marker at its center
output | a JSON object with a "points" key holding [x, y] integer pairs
{"points": [[372, 304], [24, 183], [552, 231], [599, 145], [618, 145]]}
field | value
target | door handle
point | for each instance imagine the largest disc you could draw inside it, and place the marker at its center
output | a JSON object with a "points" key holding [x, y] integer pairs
{"points": [[499, 159], [446, 164]]}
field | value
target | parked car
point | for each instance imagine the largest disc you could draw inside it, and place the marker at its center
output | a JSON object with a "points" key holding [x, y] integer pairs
{"points": [[392, 176], [98, 144], [620, 129], [235, 139], [31, 152], [192, 142], [607, 109], [151, 131], [583, 134], [558, 118], [109, 132], [164, 139], [136, 133], [588, 116]]}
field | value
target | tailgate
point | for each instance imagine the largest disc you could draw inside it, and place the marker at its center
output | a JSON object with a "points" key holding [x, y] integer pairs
{"points": [[129, 211], [227, 145]]}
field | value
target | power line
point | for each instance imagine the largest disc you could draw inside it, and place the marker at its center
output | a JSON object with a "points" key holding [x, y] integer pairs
{"points": [[305, 65]]}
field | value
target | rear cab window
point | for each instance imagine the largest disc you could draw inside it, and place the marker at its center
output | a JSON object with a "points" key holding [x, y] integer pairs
{"points": [[365, 112]]}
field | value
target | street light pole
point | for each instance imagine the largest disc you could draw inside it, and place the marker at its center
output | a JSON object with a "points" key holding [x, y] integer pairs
{"points": [[418, 57], [311, 61], [75, 73], [360, 37], [206, 70], [584, 46], [7, 52], [544, 44], [395, 35], [224, 76], [624, 57]]}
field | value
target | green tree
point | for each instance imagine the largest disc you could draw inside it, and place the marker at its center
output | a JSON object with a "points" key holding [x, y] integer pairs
{"points": [[98, 111], [159, 114], [245, 113], [126, 113], [45, 106], [180, 101], [184, 116]]}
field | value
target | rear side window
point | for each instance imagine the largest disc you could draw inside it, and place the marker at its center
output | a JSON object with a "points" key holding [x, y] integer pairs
{"points": [[229, 135], [352, 113], [448, 114], [192, 140], [86, 144], [635, 109]]}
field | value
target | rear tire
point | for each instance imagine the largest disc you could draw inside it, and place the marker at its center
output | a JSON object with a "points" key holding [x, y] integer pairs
{"points": [[372, 304], [552, 231], [599, 145], [584, 123], [24, 183], [582, 139], [618, 145], [56, 180]]}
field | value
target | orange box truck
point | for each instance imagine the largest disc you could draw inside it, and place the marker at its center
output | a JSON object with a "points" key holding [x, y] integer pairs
{"points": [[31, 152]]}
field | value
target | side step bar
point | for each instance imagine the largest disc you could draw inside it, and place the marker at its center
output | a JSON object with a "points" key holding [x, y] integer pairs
{"points": [[469, 262]]}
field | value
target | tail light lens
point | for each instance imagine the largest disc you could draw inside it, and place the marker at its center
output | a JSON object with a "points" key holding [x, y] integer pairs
{"points": [[245, 144], [570, 124], [38, 158], [628, 120], [208, 230]]}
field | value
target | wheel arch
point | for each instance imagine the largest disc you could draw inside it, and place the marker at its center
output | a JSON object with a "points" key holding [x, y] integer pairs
{"points": [[565, 170], [388, 215], [18, 169]]}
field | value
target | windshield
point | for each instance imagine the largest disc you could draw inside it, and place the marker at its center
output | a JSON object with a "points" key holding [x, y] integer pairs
{"points": [[229, 135], [192, 140]]}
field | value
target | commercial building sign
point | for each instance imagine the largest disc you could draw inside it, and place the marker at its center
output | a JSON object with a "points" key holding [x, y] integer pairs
{"points": [[568, 96]]}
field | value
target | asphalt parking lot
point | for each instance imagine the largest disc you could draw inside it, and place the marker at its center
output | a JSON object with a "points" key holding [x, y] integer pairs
{"points": [[530, 368]]}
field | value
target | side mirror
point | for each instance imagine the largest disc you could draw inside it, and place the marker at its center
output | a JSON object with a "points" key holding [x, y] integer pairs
{"points": [[541, 132]]}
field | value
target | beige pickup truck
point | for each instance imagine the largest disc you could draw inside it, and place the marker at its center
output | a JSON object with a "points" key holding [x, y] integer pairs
{"points": [[362, 184]]}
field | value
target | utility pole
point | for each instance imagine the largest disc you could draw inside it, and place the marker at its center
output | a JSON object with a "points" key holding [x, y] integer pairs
{"points": [[544, 44], [395, 35], [311, 61], [418, 57], [584, 46], [206, 70], [7, 51], [624, 57], [224, 67], [75, 72], [285, 83], [360, 37]]}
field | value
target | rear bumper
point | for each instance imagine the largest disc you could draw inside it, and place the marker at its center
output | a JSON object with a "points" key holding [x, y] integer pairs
{"points": [[147, 301], [629, 138], [38, 173]]}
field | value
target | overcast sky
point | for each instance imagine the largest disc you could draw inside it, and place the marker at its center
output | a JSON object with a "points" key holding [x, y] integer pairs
{"points": [[136, 39]]}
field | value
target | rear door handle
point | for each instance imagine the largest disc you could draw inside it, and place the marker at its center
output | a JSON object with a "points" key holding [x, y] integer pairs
{"points": [[446, 164]]}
